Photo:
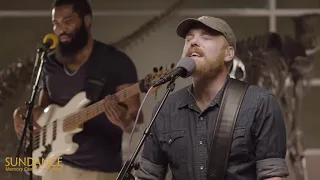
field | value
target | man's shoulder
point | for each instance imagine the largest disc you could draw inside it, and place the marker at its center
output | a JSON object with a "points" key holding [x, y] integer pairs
{"points": [[111, 51], [254, 90], [109, 47], [104, 47], [256, 95]]}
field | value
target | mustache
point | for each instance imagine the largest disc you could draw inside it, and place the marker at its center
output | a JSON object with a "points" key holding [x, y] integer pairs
{"points": [[194, 50], [65, 34]]}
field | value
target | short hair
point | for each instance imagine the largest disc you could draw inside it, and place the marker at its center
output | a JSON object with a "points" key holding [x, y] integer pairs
{"points": [[81, 7]]}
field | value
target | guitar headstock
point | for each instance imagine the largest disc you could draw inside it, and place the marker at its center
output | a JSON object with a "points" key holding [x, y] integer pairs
{"points": [[151, 78]]}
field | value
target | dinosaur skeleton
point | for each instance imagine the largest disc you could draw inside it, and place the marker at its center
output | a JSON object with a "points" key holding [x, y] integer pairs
{"points": [[282, 65], [267, 61], [266, 67]]}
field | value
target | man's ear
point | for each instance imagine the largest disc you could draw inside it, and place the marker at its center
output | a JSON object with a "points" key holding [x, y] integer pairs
{"points": [[88, 20], [229, 54]]}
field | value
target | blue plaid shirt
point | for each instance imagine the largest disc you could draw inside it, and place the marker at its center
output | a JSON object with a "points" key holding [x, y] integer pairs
{"points": [[180, 138]]}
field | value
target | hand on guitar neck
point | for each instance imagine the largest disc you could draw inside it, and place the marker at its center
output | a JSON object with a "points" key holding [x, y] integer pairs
{"points": [[118, 114], [19, 123]]}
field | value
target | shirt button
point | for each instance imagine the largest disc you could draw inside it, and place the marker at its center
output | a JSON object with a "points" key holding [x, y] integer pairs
{"points": [[200, 142], [201, 167], [201, 118], [170, 140]]}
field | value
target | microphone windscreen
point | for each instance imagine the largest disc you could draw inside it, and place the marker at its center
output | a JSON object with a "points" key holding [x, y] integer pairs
{"points": [[53, 39], [188, 64]]}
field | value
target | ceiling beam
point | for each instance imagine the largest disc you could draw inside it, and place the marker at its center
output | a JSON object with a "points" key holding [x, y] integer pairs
{"points": [[249, 12]]}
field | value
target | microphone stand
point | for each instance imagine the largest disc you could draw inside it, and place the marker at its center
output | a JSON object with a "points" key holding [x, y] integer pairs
{"points": [[125, 173], [28, 123]]}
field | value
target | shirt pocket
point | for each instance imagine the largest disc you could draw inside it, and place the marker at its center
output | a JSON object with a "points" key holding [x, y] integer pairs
{"points": [[239, 143], [239, 147], [174, 144]]}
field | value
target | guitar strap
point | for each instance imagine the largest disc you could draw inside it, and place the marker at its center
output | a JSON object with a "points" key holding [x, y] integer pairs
{"points": [[222, 135], [97, 75]]}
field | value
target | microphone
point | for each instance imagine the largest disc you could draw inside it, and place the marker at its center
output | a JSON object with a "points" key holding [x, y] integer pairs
{"points": [[185, 68], [50, 41]]}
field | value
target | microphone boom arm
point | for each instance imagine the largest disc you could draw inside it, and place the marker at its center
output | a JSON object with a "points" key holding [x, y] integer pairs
{"points": [[125, 173], [28, 122]]}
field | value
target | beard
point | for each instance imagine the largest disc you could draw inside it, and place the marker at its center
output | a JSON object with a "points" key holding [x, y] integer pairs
{"points": [[207, 67], [79, 39], [210, 68]]}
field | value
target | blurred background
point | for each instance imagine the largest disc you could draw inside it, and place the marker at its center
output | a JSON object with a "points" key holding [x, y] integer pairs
{"points": [[23, 24]]}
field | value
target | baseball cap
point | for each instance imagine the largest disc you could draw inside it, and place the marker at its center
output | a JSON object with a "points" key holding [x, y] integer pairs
{"points": [[212, 23]]}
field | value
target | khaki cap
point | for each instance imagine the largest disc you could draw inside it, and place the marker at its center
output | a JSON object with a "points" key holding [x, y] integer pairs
{"points": [[211, 22]]}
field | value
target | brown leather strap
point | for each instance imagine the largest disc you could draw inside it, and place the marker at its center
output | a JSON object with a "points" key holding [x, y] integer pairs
{"points": [[222, 134]]}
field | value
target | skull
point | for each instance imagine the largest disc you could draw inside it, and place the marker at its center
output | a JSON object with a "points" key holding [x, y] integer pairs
{"points": [[238, 70]]}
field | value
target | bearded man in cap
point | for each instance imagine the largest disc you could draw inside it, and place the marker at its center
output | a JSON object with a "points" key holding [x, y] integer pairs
{"points": [[181, 135]]}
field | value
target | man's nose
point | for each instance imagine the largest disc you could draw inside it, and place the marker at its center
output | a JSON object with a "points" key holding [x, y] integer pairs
{"points": [[61, 30], [194, 41]]}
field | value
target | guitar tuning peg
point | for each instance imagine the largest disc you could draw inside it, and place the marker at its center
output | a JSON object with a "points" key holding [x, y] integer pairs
{"points": [[172, 65], [155, 74], [155, 69]]}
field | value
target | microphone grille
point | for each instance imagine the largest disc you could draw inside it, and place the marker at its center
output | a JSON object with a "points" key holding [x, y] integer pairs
{"points": [[188, 64], [53, 38]]}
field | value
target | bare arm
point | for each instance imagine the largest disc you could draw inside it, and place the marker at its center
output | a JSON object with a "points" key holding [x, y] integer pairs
{"points": [[44, 101], [123, 114], [117, 114], [133, 103], [127, 114]]}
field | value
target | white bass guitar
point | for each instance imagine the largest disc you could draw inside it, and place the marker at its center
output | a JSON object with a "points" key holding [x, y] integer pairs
{"points": [[58, 124]]}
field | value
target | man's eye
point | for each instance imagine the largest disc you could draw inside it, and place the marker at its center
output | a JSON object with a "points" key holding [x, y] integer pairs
{"points": [[68, 21], [188, 38], [206, 37]]}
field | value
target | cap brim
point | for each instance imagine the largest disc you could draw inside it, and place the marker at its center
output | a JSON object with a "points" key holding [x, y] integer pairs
{"points": [[184, 26]]}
